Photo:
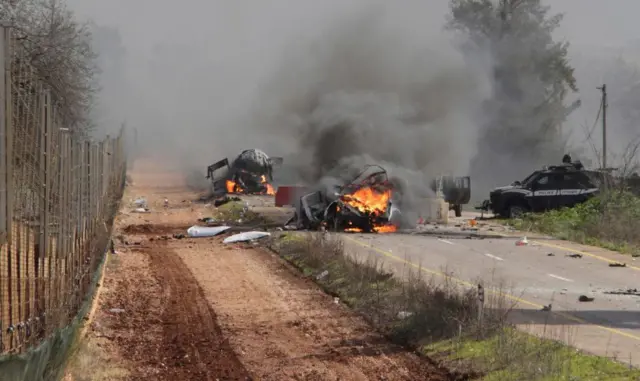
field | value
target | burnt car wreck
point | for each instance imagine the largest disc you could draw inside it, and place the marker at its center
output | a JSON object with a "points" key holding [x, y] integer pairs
{"points": [[251, 172], [362, 204]]}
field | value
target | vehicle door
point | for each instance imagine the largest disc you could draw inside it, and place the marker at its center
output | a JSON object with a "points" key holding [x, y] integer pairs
{"points": [[545, 192], [575, 188]]}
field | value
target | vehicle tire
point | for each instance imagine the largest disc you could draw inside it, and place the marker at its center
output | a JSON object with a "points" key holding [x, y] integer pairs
{"points": [[516, 211], [458, 210]]}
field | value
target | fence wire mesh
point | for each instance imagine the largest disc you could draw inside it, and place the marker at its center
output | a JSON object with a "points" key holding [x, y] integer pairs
{"points": [[58, 199]]}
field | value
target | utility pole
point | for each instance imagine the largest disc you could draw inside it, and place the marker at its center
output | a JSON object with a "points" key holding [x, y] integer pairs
{"points": [[604, 125]]}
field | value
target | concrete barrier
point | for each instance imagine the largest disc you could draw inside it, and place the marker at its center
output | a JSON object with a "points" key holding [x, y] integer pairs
{"points": [[432, 210]]}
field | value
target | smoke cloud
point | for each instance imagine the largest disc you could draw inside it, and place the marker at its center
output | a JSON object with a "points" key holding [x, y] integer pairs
{"points": [[370, 93], [327, 85]]}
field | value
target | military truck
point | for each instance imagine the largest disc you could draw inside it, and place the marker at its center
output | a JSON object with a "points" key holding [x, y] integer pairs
{"points": [[456, 191]]}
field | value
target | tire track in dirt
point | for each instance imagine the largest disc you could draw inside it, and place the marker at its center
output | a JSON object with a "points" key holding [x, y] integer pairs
{"points": [[193, 346], [285, 328]]}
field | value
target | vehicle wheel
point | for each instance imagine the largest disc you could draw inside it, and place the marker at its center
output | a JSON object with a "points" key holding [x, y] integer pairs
{"points": [[516, 211], [458, 210]]}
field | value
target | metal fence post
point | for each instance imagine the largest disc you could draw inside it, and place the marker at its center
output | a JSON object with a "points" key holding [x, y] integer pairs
{"points": [[481, 308]]}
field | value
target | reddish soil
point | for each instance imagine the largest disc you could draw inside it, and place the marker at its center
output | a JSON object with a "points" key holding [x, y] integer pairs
{"points": [[196, 309]]}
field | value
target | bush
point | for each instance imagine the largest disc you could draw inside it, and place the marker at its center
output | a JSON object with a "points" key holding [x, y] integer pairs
{"points": [[608, 221]]}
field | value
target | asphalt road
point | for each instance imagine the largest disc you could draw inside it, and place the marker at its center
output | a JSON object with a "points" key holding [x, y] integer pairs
{"points": [[530, 278], [527, 277]]}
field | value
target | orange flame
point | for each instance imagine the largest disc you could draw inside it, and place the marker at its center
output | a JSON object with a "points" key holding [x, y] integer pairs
{"points": [[369, 200], [270, 190], [233, 187]]}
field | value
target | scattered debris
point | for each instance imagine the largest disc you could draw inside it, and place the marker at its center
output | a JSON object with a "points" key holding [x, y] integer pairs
{"points": [[574, 255], [336, 300], [522, 242], [584, 298], [546, 308], [207, 220], [246, 236], [140, 202], [322, 275], [629, 291], [206, 231], [404, 314], [617, 264], [141, 210], [225, 200], [179, 236]]}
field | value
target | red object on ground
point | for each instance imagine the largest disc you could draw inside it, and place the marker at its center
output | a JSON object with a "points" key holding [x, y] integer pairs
{"points": [[289, 194]]}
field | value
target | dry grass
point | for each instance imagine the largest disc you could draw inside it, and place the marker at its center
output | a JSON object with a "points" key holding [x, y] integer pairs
{"points": [[91, 363], [441, 317]]}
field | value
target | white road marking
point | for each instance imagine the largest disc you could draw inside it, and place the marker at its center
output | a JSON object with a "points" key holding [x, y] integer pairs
{"points": [[559, 277], [445, 241], [494, 257]]}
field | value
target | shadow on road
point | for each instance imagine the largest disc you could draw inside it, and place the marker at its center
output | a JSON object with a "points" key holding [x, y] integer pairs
{"points": [[608, 318]]}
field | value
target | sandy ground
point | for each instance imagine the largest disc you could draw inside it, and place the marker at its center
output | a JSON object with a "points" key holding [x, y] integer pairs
{"points": [[196, 309]]}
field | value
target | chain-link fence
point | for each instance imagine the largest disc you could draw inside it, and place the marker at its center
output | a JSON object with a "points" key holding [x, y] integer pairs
{"points": [[58, 199]]}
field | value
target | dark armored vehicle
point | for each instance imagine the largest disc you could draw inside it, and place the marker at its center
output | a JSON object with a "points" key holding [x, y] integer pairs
{"points": [[552, 187]]}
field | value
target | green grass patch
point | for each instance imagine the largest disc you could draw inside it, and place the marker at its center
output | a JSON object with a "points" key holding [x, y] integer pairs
{"points": [[608, 221], [508, 354], [440, 318], [233, 213]]}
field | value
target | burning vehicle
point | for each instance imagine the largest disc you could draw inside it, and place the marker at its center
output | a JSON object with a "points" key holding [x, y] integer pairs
{"points": [[250, 173], [362, 204]]}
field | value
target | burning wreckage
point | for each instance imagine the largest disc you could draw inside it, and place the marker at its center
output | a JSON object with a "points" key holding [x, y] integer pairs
{"points": [[250, 173], [363, 204]]}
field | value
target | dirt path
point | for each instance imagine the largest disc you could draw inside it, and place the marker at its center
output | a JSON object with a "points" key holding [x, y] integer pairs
{"points": [[196, 309]]}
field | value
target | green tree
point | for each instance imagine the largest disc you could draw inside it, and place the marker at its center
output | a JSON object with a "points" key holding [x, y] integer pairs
{"points": [[59, 48], [531, 77]]}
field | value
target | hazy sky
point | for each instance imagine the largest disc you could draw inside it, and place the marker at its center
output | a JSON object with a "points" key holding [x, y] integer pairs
{"points": [[592, 22], [229, 47]]}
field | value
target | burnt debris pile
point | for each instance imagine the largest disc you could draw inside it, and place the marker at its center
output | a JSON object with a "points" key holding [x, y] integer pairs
{"points": [[362, 204]]}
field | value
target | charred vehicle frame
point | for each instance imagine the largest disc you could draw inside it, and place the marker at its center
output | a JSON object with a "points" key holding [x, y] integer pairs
{"points": [[335, 208], [251, 172]]}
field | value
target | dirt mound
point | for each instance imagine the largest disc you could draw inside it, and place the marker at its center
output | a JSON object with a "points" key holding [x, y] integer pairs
{"points": [[151, 229]]}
